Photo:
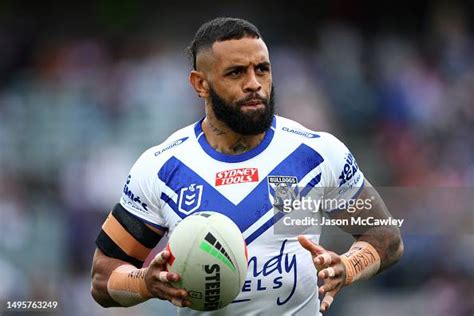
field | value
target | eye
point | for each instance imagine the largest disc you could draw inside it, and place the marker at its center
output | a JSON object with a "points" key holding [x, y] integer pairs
{"points": [[263, 68], [235, 73]]}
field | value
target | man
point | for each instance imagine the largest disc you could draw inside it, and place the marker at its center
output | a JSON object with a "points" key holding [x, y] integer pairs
{"points": [[232, 161]]}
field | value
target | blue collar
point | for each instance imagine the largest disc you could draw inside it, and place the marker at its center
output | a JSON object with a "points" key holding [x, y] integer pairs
{"points": [[201, 138]]}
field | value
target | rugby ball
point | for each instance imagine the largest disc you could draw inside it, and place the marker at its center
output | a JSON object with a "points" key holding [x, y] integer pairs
{"points": [[208, 251]]}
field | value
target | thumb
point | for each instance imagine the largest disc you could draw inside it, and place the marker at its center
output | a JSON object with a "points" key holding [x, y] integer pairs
{"points": [[160, 259], [307, 244]]}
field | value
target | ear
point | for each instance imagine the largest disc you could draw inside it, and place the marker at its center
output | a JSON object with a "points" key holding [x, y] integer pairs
{"points": [[199, 83]]}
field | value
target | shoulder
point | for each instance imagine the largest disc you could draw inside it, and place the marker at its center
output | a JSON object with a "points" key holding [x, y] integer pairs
{"points": [[173, 144], [154, 157], [293, 129], [330, 147]]}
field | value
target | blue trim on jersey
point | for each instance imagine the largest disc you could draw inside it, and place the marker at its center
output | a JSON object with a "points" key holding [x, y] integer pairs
{"points": [[264, 227], [310, 185], [233, 158], [165, 198], [257, 203], [279, 215]]}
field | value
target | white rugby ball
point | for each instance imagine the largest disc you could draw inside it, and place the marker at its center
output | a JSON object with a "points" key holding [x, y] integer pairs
{"points": [[209, 252]]}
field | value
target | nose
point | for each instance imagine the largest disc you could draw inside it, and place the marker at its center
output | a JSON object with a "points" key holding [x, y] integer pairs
{"points": [[252, 84]]}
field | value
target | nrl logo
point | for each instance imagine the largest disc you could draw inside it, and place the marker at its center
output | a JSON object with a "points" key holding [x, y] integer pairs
{"points": [[282, 190], [190, 198]]}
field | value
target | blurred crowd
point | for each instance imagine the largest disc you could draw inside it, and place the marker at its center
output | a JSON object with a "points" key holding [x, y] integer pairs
{"points": [[77, 115]]}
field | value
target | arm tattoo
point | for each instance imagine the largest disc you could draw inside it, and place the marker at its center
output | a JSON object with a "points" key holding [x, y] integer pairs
{"points": [[388, 247], [385, 239]]}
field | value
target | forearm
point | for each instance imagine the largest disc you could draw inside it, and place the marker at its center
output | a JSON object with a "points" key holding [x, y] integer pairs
{"points": [[388, 243], [375, 248], [99, 291], [386, 240], [102, 268], [116, 282], [372, 253]]}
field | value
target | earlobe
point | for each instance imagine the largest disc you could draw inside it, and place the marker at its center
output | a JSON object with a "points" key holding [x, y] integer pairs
{"points": [[199, 83]]}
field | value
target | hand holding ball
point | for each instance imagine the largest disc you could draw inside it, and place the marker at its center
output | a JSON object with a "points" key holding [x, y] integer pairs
{"points": [[208, 251]]}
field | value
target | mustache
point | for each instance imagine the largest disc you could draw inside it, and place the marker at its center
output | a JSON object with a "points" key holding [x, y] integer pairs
{"points": [[251, 97]]}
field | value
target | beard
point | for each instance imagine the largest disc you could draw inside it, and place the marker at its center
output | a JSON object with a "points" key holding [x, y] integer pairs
{"points": [[244, 123]]}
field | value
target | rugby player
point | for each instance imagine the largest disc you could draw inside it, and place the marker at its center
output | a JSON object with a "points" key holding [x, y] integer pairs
{"points": [[233, 161]]}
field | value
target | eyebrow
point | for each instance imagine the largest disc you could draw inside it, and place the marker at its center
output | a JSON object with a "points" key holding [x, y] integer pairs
{"points": [[264, 63], [241, 67]]}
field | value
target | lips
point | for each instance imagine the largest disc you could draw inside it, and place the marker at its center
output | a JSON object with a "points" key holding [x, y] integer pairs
{"points": [[253, 103]]}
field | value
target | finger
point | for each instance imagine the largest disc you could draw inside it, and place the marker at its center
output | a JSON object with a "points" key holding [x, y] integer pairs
{"points": [[169, 291], [327, 273], [165, 276], [329, 286], [180, 303], [330, 272], [323, 259], [307, 244], [161, 258], [326, 303], [177, 302]]}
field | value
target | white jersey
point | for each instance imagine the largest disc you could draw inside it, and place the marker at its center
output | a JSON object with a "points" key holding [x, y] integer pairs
{"points": [[185, 174]]}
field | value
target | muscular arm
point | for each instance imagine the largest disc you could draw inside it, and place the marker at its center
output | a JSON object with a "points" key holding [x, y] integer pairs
{"points": [[123, 244], [385, 239], [375, 249], [102, 268]]}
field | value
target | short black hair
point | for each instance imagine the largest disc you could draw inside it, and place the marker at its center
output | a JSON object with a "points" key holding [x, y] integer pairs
{"points": [[217, 30]]}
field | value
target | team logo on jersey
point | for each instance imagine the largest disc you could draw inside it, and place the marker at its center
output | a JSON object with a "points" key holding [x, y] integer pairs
{"points": [[234, 176], [190, 198], [282, 190]]}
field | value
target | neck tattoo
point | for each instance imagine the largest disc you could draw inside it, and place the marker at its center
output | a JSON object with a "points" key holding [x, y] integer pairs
{"points": [[240, 147], [216, 130]]}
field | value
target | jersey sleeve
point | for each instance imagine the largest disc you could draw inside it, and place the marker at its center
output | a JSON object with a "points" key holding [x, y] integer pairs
{"points": [[141, 192], [343, 180]]}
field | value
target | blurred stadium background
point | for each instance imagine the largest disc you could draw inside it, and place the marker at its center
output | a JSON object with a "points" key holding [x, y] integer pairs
{"points": [[85, 87]]}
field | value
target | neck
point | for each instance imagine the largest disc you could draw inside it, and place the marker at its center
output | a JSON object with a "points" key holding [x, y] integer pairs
{"points": [[226, 141]]}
